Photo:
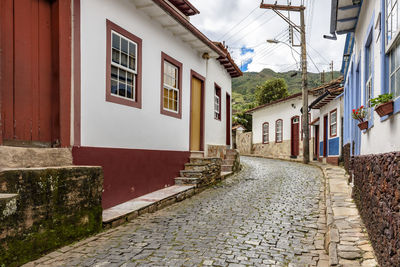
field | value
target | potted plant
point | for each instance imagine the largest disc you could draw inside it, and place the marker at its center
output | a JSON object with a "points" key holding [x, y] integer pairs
{"points": [[359, 114], [383, 103]]}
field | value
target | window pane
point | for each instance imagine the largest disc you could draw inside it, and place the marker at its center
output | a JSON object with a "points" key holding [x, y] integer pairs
{"points": [[171, 94], [175, 106], [115, 56], [122, 89], [175, 96], [114, 73], [132, 63], [114, 87], [397, 84], [170, 103], [393, 84], [165, 102], [124, 60], [129, 91], [115, 41], [122, 75], [124, 45], [393, 56], [132, 49], [129, 79]]}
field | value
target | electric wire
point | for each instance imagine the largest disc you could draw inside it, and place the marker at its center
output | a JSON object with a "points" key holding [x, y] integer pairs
{"points": [[237, 24]]}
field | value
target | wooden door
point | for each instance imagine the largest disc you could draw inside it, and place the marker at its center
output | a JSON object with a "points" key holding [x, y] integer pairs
{"points": [[325, 136], [316, 147], [295, 136], [196, 135], [228, 120], [29, 90]]}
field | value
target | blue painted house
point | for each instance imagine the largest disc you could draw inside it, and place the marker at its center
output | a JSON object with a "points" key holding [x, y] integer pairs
{"points": [[371, 68]]}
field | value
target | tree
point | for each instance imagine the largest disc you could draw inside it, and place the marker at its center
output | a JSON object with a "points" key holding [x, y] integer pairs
{"points": [[273, 89], [243, 119]]}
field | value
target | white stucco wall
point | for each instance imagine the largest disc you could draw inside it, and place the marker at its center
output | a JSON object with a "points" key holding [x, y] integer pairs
{"points": [[215, 130], [326, 111], [271, 114], [383, 136], [106, 124]]}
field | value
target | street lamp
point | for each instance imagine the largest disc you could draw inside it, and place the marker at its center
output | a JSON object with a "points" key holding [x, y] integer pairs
{"points": [[274, 41]]}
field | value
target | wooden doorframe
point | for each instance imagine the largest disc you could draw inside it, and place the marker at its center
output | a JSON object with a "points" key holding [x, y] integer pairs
{"points": [[325, 152], [316, 147], [292, 136], [62, 25], [196, 75], [228, 119]]}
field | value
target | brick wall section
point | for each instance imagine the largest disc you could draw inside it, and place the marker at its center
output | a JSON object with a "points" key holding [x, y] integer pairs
{"points": [[346, 157], [54, 207], [377, 194]]}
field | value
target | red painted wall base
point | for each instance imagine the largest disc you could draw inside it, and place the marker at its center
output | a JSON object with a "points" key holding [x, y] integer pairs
{"points": [[130, 173]]}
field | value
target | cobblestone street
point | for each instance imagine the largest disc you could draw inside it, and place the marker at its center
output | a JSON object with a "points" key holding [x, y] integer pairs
{"points": [[269, 214]]}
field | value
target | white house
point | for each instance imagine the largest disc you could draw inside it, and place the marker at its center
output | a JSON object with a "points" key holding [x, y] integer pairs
{"points": [[135, 88], [370, 66], [277, 125]]}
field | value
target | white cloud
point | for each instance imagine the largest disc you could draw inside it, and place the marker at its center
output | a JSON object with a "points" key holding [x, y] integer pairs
{"points": [[217, 18]]}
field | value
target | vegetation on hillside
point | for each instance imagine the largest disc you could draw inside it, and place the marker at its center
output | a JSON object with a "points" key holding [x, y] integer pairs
{"points": [[243, 88], [271, 90]]}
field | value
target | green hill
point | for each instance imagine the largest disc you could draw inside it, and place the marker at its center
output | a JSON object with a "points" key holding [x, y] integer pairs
{"points": [[243, 88]]}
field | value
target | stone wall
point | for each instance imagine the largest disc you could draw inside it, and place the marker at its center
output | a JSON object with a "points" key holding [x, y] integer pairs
{"points": [[216, 151], [52, 207], [346, 157], [274, 150], [377, 194], [244, 143]]}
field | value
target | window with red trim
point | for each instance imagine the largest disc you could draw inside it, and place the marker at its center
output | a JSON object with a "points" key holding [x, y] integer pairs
{"points": [[124, 51], [217, 102], [278, 131], [265, 134], [171, 86], [333, 123]]}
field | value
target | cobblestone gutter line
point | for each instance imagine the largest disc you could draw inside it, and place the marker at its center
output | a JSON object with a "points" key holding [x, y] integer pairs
{"points": [[346, 240]]}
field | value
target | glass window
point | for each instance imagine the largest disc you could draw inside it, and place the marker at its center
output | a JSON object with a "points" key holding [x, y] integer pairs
{"points": [[278, 131], [217, 103], [368, 83], [394, 73], [266, 133], [333, 123], [171, 90], [392, 19], [123, 75]]}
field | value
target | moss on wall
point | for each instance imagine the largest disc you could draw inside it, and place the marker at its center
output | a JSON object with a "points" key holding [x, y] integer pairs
{"points": [[54, 207]]}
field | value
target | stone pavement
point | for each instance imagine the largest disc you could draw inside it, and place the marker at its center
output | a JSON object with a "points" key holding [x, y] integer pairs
{"points": [[270, 214], [346, 240]]}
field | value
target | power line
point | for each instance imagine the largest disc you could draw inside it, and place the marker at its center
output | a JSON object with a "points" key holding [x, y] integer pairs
{"points": [[246, 26], [237, 24]]}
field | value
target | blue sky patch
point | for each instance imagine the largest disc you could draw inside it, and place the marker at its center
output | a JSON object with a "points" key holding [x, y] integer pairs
{"points": [[244, 50], [245, 64]]}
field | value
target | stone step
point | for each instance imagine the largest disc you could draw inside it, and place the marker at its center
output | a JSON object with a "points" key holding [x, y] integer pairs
{"points": [[187, 181], [226, 168], [191, 174], [195, 167], [196, 154], [203, 160], [231, 152], [228, 162], [26, 157]]}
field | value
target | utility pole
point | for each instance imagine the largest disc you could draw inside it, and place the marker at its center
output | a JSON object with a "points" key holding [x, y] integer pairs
{"points": [[332, 70], [304, 83]]}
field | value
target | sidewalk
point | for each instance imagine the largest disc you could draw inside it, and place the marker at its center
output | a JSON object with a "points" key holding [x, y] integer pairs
{"points": [[346, 239]]}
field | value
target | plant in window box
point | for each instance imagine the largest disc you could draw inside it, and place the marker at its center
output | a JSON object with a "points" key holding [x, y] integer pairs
{"points": [[360, 114], [383, 103]]}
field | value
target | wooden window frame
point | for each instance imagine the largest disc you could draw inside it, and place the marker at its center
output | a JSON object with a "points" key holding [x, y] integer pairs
{"points": [[137, 102], [276, 132], [217, 93], [330, 123], [263, 133], [179, 65]]}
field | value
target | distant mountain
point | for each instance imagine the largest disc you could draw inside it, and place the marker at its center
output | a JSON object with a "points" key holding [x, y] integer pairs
{"points": [[244, 87]]}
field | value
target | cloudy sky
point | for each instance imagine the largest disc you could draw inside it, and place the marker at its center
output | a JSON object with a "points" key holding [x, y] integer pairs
{"points": [[245, 28]]}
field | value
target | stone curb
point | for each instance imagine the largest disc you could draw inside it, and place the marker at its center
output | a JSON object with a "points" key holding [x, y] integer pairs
{"points": [[344, 245]]}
